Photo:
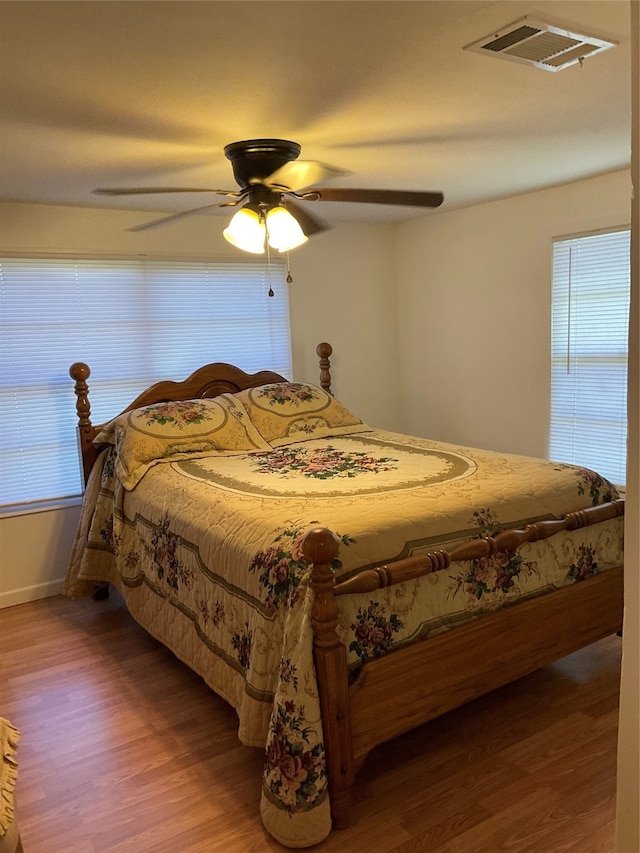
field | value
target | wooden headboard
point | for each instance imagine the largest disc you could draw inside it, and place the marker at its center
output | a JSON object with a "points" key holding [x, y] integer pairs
{"points": [[207, 381]]}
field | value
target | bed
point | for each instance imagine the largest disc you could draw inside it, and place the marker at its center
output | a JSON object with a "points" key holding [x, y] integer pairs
{"points": [[339, 585]]}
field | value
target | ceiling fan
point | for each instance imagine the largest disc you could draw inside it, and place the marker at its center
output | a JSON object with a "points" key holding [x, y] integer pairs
{"points": [[272, 182]]}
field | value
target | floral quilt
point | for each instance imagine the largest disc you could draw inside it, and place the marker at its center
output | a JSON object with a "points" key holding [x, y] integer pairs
{"points": [[206, 552]]}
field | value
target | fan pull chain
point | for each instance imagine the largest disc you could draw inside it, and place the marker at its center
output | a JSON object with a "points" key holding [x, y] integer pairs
{"points": [[271, 293], [263, 209], [289, 276]]}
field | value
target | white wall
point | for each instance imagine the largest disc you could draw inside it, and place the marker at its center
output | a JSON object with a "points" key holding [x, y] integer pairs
{"points": [[628, 800], [343, 292], [474, 308], [34, 552]]}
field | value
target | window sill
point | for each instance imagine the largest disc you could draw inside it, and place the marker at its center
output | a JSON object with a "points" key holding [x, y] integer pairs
{"points": [[39, 506]]}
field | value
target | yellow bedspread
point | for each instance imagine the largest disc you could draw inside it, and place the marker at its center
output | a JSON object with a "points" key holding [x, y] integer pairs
{"points": [[207, 554]]}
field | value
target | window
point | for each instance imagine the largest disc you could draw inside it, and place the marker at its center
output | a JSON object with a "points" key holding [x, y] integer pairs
{"points": [[589, 346], [133, 322]]}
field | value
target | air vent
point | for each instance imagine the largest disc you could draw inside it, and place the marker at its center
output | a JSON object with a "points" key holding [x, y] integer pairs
{"points": [[541, 45]]}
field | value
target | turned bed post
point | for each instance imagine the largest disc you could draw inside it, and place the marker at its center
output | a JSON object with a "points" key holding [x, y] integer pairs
{"points": [[323, 352], [80, 372], [320, 548]]}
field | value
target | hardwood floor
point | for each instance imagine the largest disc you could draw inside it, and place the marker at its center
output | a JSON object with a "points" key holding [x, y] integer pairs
{"points": [[125, 750]]}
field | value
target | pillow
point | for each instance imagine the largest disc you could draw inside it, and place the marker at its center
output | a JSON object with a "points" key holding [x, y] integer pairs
{"points": [[178, 429], [284, 412]]}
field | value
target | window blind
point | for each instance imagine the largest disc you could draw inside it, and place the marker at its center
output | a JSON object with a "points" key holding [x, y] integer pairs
{"points": [[133, 322], [589, 347]]}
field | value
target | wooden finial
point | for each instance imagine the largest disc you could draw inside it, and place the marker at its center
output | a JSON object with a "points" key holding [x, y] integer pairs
{"points": [[323, 351], [80, 372], [320, 546]]}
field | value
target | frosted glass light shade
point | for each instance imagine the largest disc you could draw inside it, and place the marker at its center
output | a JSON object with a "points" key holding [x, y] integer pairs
{"points": [[246, 231], [283, 231]]}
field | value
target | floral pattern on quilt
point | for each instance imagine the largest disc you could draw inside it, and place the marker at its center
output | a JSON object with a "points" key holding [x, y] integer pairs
{"points": [[496, 574], [282, 566], [330, 468], [585, 566], [326, 464], [241, 643], [211, 612], [162, 549], [373, 631], [295, 771], [599, 489], [292, 411], [178, 414], [288, 394], [109, 469]]}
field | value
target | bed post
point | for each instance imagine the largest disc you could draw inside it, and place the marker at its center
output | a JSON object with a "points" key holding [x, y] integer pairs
{"points": [[320, 548], [80, 372], [323, 351]]}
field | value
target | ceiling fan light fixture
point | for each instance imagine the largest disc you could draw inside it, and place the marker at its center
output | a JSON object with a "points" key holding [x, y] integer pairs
{"points": [[269, 183], [283, 230], [246, 231]]}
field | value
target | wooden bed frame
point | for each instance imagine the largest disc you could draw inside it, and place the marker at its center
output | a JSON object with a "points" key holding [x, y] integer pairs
{"points": [[392, 694]]}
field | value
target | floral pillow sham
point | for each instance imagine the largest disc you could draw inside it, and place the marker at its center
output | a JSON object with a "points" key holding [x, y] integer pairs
{"points": [[179, 429], [285, 412]]}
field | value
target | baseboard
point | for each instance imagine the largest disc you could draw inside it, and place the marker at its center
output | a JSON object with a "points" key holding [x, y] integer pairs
{"points": [[31, 593]]}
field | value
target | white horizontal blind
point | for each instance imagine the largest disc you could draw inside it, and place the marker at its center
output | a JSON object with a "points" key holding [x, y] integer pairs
{"points": [[133, 322], [589, 346]]}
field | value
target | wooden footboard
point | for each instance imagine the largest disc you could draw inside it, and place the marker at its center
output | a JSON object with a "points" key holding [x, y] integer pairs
{"points": [[412, 685]]}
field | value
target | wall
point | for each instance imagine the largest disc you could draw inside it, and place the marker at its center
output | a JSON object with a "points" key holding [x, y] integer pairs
{"points": [[474, 303], [628, 799], [343, 292], [34, 552]]}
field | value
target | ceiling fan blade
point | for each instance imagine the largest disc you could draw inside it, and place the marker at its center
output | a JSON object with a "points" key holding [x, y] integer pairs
{"points": [[164, 220], [411, 198], [146, 190], [298, 174], [310, 224]]}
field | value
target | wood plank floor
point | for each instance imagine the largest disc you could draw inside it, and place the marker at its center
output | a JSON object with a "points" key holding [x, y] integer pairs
{"points": [[125, 750]]}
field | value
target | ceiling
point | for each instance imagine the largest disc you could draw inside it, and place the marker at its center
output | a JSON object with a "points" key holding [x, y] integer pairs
{"points": [[110, 93]]}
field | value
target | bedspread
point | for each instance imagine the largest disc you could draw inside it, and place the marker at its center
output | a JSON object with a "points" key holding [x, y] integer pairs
{"points": [[207, 553]]}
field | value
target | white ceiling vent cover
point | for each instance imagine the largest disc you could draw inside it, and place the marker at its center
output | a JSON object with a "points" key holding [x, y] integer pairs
{"points": [[542, 45]]}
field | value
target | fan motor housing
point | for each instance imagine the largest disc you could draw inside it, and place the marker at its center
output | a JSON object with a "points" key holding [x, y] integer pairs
{"points": [[253, 160]]}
